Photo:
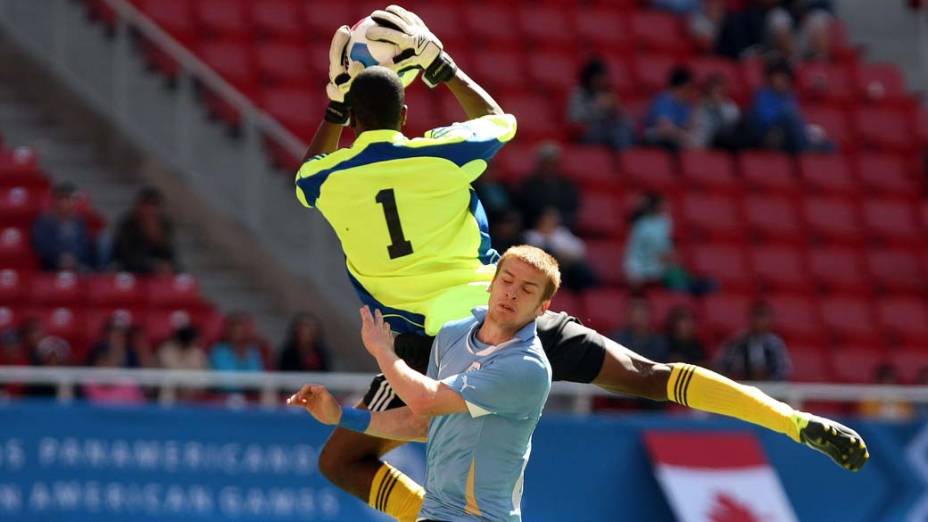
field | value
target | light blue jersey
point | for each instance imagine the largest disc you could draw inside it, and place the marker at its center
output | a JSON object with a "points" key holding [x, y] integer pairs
{"points": [[476, 460]]}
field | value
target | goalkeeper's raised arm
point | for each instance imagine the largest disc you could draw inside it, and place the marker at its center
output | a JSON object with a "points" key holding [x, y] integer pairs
{"points": [[419, 48]]}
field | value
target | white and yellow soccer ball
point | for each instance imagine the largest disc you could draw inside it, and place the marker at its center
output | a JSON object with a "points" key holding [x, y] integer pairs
{"points": [[368, 53]]}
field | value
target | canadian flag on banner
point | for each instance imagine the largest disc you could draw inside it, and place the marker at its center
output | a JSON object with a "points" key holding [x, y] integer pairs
{"points": [[717, 477]]}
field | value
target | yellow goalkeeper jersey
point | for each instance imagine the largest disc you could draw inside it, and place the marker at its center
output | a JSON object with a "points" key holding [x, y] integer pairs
{"points": [[414, 233]]}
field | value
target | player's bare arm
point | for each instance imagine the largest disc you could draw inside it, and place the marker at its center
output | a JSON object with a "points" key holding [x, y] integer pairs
{"points": [[325, 140], [397, 424], [422, 395]]}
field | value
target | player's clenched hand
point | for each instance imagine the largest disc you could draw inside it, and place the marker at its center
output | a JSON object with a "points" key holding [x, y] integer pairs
{"points": [[419, 47], [375, 332], [341, 72], [318, 402]]}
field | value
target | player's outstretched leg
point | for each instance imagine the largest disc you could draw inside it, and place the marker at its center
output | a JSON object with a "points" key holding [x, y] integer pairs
{"points": [[574, 350], [351, 461]]}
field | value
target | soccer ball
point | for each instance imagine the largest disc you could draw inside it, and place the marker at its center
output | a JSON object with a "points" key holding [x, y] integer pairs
{"points": [[368, 53]]}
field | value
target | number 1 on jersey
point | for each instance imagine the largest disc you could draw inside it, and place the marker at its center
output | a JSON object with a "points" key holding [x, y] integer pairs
{"points": [[400, 246]]}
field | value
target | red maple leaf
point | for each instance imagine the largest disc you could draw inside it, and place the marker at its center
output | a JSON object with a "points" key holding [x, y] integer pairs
{"points": [[726, 508]]}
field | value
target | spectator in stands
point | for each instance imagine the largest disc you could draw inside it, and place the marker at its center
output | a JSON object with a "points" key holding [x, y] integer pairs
{"points": [[493, 194], [745, 31], [183, 351], [780, 40], [569, 250], [304, 349], [705, 25], [669, 122], [718, 118], [237, 351], [682, 343], [60, 236], [638, 334], [43, 350], [757, 354], [677, 6], [549, 187], [506, 231], [12, 354], [114, 351], [886, 375], [594, 107], [115, 348], [144, 241], [776, 119]]}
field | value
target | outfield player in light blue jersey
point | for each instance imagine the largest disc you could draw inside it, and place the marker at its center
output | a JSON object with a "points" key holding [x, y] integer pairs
{"points": [[486, 385]]}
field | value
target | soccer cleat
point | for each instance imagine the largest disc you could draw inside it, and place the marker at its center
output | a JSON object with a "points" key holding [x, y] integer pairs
{"points": [[834, 439]]}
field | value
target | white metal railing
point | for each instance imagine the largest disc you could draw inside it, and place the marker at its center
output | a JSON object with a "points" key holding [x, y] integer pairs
{"points": [[272, 385]]}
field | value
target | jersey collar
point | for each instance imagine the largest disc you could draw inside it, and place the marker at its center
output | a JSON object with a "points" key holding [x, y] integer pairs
{"points": [[377, 136], [526, 333]]}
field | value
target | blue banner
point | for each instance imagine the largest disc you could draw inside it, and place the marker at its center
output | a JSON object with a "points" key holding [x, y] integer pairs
{"points": [[80, 462]]}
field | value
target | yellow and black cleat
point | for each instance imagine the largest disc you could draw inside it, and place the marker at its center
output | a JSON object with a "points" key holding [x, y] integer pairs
{"points": [[842, 444]]}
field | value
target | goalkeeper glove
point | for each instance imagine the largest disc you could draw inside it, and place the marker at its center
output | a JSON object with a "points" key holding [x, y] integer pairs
{"points": [[341, 72], [419, 48]]}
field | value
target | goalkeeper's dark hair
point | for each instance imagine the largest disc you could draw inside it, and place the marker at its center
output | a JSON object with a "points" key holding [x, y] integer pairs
{"points": [[376, 98]]}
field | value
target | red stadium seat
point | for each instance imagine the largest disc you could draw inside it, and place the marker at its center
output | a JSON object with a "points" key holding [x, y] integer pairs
{"points": [[857, 364], [233, 59], [603, 28], [567, 301], [490, 22], [850, 319], [122, 289], [278, 19], [711, 216], [896, 269], [224, 18], [780, 267], [892, 220], [905, 317], [15, 251], [838, 269], [181, 290], [657, 31], [503, 69], [545, 25], [652, 71], [280, 101], [810, 364], [10, 317], [591, 166], [726, 313], [287, 63], [827, 174], [20, 168], [320, 25], [825, 82], [772, 218], [67, 323], [885, 128], [768, 171], [648, 169], [796, 317], [533, 111], [834, 122], [174, 16], [13, 285], [161, 324], [98, 318], [19, 206], [910, 363], [553, 70], [708, 170], [832, 219], [601, 215], [663, 302], [515, 161], [57, 289], [620, 77], [752, 70], [607, 259], [723, 262], [886, 173], [605, 309], [881, 82]]}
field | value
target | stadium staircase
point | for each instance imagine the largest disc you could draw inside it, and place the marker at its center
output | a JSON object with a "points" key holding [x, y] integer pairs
{"points": [[836, 243]]}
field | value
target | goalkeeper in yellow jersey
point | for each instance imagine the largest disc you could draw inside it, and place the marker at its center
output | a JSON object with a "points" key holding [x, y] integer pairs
{"points": [[417, 248]]}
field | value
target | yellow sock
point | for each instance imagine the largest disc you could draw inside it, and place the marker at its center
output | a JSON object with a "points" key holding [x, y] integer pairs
{"points": [[395, 494], [706, 390]]}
